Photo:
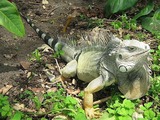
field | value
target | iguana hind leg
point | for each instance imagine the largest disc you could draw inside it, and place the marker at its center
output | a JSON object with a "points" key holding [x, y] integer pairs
{"points": [[94, 86], [70, 69], [67, 72]]}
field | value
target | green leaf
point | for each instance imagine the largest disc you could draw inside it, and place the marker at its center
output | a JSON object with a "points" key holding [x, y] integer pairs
{"points": [[148, 105], [80, 116], [157, 14], [117, 104], [106, 116], [6, 107], [128, 104], [145, 11], [125, 118], [114, 6], [3, 113], [10, 18], [111, 111], [29, 119], [17, 116], [143, 108], [122, 111], [158, 47], [152, 24], [37, 102], [44, 119], [70, 100], [149, 114]]}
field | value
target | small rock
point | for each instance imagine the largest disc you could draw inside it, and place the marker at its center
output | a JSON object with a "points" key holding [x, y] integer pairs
{"points": [[29, 74], [136, 116], [45, 2], [74, 82], [9, 56], [50, 76]]}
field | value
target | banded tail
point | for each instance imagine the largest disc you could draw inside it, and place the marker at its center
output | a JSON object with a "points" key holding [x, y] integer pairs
{"points": [[45, 37], [55, 43]]}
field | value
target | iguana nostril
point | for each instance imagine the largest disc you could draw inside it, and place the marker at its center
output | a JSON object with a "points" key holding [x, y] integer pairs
{"points": [[120, 56], [147, 47]]}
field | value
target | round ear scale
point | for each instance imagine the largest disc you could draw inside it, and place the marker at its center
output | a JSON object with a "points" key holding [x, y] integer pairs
{"points": [[136, 85]]}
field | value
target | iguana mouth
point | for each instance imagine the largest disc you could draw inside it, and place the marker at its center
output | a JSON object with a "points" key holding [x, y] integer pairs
{"points": [[143, 53]]}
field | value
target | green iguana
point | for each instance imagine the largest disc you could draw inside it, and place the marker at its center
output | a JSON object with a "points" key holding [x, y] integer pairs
{"points": [[103, 60]]}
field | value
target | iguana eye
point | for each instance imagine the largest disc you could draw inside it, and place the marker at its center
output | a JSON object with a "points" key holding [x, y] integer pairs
{"points": [[131, 49]]}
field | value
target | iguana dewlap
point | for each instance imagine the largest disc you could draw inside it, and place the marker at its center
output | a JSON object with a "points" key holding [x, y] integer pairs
{"points": [[102, 60]]}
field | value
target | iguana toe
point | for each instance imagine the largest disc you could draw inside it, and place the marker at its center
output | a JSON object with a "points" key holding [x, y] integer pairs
{"points": [[92, 113]]}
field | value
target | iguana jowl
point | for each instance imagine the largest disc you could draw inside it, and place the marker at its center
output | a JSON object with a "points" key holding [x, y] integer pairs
{"points": [[104, 60]]}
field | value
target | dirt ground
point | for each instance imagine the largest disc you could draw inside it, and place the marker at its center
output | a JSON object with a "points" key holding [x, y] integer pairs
{"points": [[50, 18]]}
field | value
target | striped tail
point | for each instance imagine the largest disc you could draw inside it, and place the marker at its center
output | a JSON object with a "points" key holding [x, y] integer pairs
{"points": [[45, 37], [55, 43]]}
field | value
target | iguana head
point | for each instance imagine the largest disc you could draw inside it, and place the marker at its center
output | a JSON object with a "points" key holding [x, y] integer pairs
{"points": [[131, 55], [132, 61]]}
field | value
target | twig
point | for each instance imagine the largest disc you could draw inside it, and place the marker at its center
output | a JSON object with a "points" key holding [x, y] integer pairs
{"points": [[59, 69], [101, 100], [49, 13]]}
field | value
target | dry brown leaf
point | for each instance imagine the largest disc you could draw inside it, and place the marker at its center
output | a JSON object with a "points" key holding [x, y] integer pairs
{"points": [[120, 32], [5, 89], [73, 92], [40, 96], [50, 66], [25, 64], [29, 110], [21, 107], [37, 90], [44, 48], [18, 106], [42, 110], [53, 89]]}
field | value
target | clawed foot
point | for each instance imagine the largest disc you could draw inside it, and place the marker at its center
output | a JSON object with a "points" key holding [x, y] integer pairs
{"points": [[62, 79], [92, 113]]}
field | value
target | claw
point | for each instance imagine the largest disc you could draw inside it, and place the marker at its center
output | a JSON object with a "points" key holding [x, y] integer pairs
{"points": [[92, 113], [62, 79]]}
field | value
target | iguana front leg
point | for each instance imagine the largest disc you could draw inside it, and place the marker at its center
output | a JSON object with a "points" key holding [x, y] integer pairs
{"points": [[94, 86]]}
